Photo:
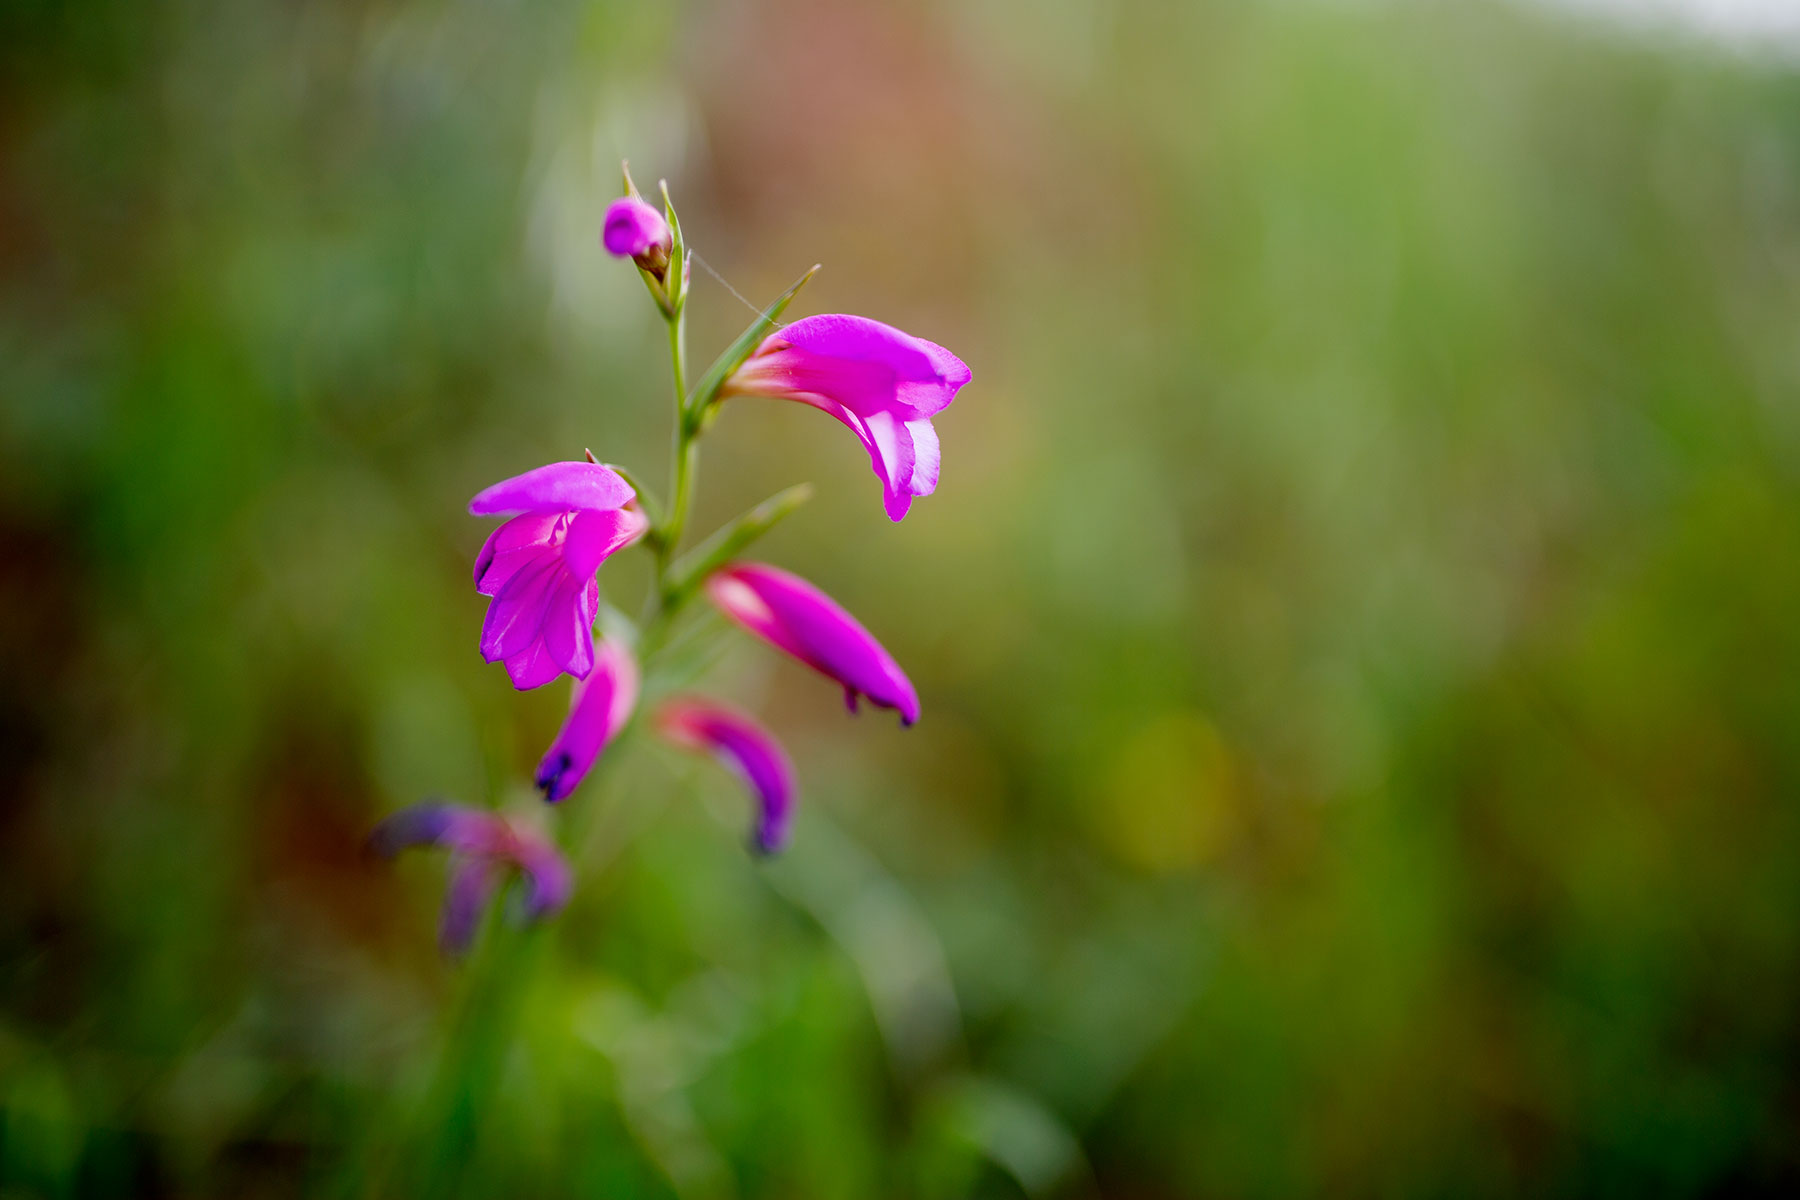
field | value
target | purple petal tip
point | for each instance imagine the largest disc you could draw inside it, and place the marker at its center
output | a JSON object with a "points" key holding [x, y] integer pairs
{"points": [[419, 825], [749, 750]]}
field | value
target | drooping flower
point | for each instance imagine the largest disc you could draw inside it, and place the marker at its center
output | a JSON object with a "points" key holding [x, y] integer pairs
{"points": [[883, 383], [744, 747], [539, 566], [599, 706], [793, 615], [483, 847], [634, 229]]}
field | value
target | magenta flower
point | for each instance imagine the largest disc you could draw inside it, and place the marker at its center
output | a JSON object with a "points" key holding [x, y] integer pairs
{"points": [[633, 229], [599, 706], [539, 567], [747, 750], [483, 846], [793, 615], [884, 384]]}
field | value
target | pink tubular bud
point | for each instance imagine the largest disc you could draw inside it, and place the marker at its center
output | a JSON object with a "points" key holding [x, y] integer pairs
{"points": [[636, 231]]}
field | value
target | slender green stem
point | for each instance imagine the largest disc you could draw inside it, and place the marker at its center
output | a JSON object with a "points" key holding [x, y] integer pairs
{"points": [[678, 362], [685, 450], [687, 455]]}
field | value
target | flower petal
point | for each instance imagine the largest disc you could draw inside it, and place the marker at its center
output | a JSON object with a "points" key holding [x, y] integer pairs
{"points": [[891, 453], [633, 228], [418, 825], [471, 886], [925, 457], [554, 488], [924, 376], [434, 823], [890, 444], [532, 667], [548, 880], [882, 382], [793, 615], [743, 603], [515, 616], [568, 629], [599, 706], [790, 372], [593, 535], [511, 546], [742, 745]]}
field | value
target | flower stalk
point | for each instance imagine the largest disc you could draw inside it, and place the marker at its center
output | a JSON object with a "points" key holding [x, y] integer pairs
{"points": [[547, 617], [686, 452]]}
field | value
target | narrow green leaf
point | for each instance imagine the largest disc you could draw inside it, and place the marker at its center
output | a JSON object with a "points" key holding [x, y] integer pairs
{"points": [[731, 540], [689, 655], [707, 390]]}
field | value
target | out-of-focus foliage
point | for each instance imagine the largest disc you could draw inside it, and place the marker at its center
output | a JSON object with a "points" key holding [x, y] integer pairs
{"points": [[1358, 628]]}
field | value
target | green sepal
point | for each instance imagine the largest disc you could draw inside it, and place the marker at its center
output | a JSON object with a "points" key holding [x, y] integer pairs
{"points": [[678, 260], [658, 292], [707, 390]]}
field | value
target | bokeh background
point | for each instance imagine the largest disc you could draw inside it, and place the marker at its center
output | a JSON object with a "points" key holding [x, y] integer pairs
{"points": [[1358, 627]]}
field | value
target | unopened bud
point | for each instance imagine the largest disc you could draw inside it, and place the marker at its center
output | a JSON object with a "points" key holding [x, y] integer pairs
{"points": [[635, 230]]}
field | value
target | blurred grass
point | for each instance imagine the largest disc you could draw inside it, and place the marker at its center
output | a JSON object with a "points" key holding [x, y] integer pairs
{"points": [[1355, 628]]}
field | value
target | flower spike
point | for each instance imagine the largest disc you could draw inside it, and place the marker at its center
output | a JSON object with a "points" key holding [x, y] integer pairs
{"points": [[745, 748], [562, 521], [794, 616]]}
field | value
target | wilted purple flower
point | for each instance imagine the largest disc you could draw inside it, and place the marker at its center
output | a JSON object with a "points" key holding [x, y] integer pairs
{"points": [[599, 706], [883, 383], [633, 229], [793, 615], [747, 749], [539, 567], [483, 846]]}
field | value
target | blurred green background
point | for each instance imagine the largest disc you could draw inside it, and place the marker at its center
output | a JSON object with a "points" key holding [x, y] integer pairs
{"points": [[1357, 627]]}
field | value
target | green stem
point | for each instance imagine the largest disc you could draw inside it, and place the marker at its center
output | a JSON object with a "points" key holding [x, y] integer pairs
{"points": [[685, 450], [687, 455], [665, 599]]}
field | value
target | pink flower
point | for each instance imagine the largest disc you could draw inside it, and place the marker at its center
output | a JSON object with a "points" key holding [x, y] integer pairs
{"points": [[633, 229], [483, 846], [884, 384], [745, 748], [599, 706], [793, 615], [539, 567]]}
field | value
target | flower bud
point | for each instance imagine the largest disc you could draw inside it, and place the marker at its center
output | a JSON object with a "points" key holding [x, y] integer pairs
{"points": [[635, 230], [747, 749], [795, 617]]}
